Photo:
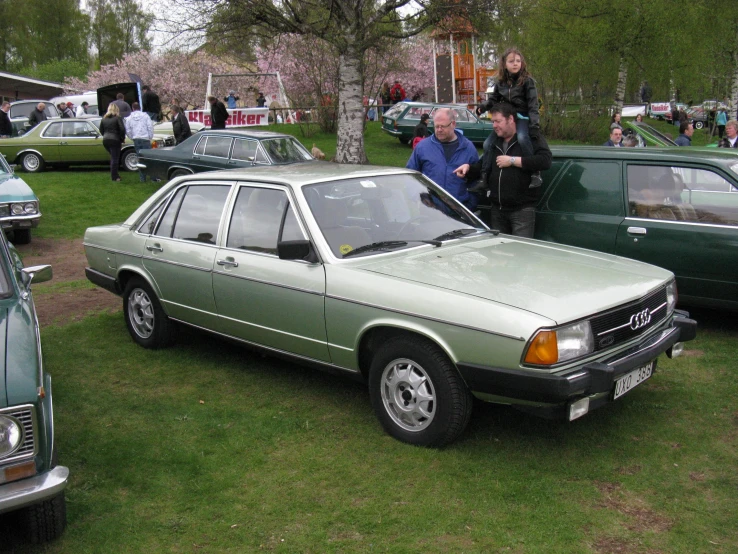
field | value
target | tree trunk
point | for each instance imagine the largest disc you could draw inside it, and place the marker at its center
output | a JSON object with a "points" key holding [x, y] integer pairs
{"points": [[350, 140], [622, 81], [734, 87]]}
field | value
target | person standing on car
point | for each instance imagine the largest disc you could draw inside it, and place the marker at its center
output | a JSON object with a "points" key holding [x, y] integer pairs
{"points": [[37, 116], [437, 157], [507, 173], [151, 105], [218, 113], [124, 108], [6, 126], [180, 125], [140, 129], [685, 134], [114, 134]]}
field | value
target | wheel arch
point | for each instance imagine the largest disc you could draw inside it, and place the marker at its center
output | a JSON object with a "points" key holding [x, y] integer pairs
{"points": [[174, 168], [374, 336], [22, 153], [125, 274]]}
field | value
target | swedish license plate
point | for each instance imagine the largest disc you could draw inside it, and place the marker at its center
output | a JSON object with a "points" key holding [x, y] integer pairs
{"points": [[632, 379]]}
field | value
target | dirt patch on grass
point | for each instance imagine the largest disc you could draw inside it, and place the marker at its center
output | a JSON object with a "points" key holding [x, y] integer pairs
{"points": [[67, 304], [640, 517]]}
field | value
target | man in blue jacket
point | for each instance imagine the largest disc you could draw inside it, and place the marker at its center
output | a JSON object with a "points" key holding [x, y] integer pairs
{"points": [[438, 156]]}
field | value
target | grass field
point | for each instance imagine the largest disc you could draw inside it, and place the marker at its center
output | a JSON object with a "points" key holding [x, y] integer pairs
{"points": [[207, 447]]}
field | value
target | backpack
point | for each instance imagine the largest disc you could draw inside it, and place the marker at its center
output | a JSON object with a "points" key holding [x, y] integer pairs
{"points": [[398, 93]]}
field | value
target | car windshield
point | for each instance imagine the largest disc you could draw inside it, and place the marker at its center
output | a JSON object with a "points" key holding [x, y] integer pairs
{"points": [[388, 212], [4, 167], [285, 150]]}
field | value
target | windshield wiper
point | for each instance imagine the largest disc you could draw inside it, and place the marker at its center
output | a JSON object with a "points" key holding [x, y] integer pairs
{"points": [[388, 244], [456, 233]]}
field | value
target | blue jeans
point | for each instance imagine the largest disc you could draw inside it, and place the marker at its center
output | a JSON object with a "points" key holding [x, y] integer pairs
{"points": [[138, 145], [520, 222]]}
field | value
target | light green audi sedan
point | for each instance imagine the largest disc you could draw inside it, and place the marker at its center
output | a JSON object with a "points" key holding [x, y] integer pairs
{"points": [[377, 273]]}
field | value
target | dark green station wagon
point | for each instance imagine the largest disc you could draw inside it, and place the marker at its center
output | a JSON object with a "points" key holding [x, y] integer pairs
{"points": [[672, 207]]}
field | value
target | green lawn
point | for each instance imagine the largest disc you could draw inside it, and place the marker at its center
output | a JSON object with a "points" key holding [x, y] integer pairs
{"points": [[208, 447]]}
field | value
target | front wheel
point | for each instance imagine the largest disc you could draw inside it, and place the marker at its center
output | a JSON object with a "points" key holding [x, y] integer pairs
{"points": [[417, 393], [147, 323], [21, 236], [45, 521], [32, 163], [130, 160]]}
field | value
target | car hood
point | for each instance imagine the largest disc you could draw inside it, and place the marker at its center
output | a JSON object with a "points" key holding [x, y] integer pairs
{"points": [[18, 355], [13, 189], [558, 282]]}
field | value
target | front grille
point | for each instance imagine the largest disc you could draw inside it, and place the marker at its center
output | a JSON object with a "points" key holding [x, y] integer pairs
{"points": [[25, 415], [624, 323], [169, 141]]}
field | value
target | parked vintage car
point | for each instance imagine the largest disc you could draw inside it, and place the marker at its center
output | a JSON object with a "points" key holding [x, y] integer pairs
{"points": [[21, 109], [210, 150], [676, 208], [379, 274], [65, 142], [31, 481], [19, 207], [400, 121]]}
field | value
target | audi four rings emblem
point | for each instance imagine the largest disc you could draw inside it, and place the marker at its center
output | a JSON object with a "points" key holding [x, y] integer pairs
{"points": [[640, 319]]}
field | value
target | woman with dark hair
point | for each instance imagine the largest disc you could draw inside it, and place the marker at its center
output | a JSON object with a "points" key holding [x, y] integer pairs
{"points": [[639, 118], [114, 135], [615, 122]]}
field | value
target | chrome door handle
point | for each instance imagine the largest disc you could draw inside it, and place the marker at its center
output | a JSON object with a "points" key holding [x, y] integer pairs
{"points": [[155, 248], [228, 261], [637, 230], [63, 143]]}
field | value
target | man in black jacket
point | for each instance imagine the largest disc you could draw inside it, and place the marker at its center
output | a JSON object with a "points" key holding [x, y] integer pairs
{"points": [[218, 113], [37, 116], [512, 188], [151, 105], [6, 126], [180, 125]]}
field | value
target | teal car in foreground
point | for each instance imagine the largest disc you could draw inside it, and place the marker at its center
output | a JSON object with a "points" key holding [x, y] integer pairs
{"points": [[378, 274], [400, 121], [19, 206], [31, 482], [673, 207]]}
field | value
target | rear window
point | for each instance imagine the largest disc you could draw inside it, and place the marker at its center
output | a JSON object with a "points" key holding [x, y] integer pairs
{"points": [[396, 110], [589, 187]]}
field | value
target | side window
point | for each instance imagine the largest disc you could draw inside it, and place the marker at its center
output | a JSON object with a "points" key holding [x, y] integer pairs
{"points": [[199, 215], [462, 116], [218, 147], [244, 150], [170, 215], [257, 218], [589, 187], [703, 196], [92, 130], [261, 157], [200, 148], [75, 129], [147, 227], [54, 130]]}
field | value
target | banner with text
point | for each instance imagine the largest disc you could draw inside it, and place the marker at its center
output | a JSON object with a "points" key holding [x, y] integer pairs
{"points": [[239, 117]]}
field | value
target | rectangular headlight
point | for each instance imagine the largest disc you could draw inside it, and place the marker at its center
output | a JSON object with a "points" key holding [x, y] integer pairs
{"points": [[552, 346], [671, 297]]}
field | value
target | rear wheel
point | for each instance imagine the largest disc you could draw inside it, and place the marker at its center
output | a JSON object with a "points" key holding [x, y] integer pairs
{"points": [[21, 236], [129, 160], [147, 323], [178, 173], [405, 141], [417, 393], [32, 162], [45, 521]]}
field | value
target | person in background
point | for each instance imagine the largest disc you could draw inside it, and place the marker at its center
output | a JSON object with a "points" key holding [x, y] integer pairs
{"points": [[615, 121], [37, 116], [114, 134], [438, 157], [720, 120], [685, 134], [140, 129], [65, 112], [6, 126], [397, 93], [231, 99], [507, 173], [124, 108], [731, 135], [384, 97], [218, 113], [180, 125], [616, 137], [151, 104], [421, 130], [260, 100], [639, 118], [674, 115], [82, 110], [630, 141]]}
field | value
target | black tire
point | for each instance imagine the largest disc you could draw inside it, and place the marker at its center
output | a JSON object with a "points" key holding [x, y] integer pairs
{"points": [[403, 371], [45, 521], [21, 236], [178, 173], [147, 323], [129, 159], [404, 141], [32, 163]]}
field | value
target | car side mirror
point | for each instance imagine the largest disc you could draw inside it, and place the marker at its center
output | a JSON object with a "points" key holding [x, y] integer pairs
{"points": [[297, 250], [37, 274]]}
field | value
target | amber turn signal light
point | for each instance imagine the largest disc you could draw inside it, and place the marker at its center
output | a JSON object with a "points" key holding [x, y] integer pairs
{"points": [[543, 349]]}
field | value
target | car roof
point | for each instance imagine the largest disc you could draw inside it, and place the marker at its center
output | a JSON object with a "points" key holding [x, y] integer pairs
{"points": [[722, 156], [246, 134], [434, 105]]}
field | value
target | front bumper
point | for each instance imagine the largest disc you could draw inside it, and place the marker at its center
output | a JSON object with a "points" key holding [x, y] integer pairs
{"points": [[593, 378], [20, 222], [32, 490]]}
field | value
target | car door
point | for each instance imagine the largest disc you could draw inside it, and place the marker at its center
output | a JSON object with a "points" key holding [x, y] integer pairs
{"points": [[48, 141], [685, 219], [243, 153], [180, 251], [583, 206], [260, 298], [212, 152], [81, 142]]}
